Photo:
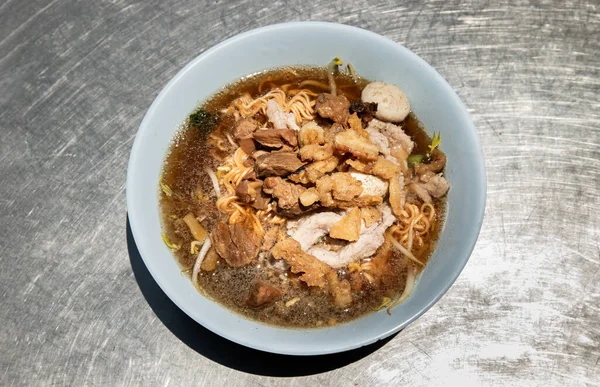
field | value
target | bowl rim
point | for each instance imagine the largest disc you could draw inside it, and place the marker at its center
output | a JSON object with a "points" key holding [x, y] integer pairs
{"points": [[135, 150]]}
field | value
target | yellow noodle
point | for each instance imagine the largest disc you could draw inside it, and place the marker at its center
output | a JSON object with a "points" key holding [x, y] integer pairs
{"points": [[301, 104], [305, 91], [230, 174], [235, 217], [310, 82], [369, 277], [411, 230]]}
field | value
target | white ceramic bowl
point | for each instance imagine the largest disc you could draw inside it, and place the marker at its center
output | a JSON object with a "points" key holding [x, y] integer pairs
{"points": [[310, 43]]}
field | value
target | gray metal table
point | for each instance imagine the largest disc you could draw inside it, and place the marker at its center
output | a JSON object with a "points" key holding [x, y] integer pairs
{"points": [[78, 306]]}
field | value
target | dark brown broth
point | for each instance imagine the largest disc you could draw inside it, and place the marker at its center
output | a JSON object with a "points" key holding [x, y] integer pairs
{"points": [[184, 173]]}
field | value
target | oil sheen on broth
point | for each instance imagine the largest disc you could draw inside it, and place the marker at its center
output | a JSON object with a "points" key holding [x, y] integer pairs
{"points": [[207, 140]]}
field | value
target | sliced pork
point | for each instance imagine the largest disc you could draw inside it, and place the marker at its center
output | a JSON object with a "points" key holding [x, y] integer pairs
{"points": [[279, 118], [393, 133], [310, 229], [367, 244]]}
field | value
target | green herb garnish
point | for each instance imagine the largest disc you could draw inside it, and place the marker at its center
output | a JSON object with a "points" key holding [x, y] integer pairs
{"points": [[417, 158], [435, 142], [203, 120]]}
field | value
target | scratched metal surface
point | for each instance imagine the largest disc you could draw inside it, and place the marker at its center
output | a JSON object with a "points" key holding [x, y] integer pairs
{"points": [[77, 304]]}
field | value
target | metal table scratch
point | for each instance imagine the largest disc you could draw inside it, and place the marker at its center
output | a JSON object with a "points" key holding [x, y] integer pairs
{"points": [[78, 306]]}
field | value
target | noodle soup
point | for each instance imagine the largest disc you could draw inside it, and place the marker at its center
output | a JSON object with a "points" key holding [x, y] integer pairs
{"points": [[303, 197]]}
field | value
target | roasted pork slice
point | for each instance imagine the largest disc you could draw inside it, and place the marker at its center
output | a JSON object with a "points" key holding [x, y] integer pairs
{"points": [[310, 229], [367, 244]]}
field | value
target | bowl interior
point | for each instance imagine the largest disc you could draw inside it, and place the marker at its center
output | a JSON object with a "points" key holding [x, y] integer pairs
{"points": [[375, 58]]}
